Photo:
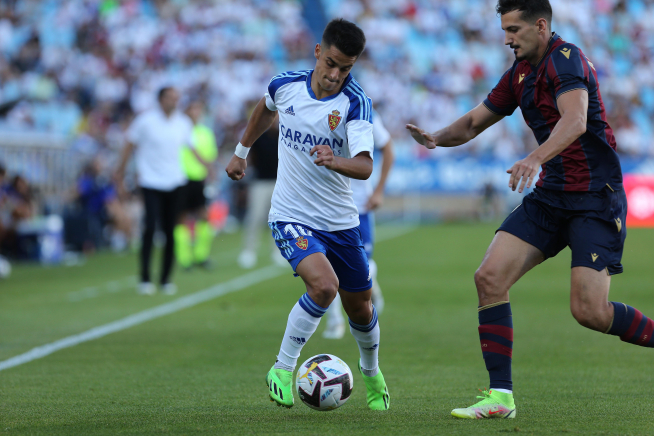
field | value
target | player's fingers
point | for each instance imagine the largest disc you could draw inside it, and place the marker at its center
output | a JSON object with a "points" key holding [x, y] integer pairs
{"points": [[525, 177], [531, 178], [313, 150], [512, 171], [515, 178]]}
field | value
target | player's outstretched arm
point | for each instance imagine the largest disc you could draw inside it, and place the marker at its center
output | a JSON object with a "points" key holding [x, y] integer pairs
{"points": [[260, 121], [357, 167], [459, 132], [573, 107]]}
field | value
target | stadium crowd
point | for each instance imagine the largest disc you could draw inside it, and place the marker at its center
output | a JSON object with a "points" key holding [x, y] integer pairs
{"points": [[81, 69]]}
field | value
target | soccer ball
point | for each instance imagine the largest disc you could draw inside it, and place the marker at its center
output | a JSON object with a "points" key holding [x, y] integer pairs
{"points": [[324, 382]]}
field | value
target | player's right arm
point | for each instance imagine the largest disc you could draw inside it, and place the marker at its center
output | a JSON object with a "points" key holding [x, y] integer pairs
{"points": [[459, 132], [260, 121]]}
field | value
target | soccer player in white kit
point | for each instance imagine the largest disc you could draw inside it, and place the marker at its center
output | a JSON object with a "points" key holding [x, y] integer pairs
{"points": [[325, 138], [366, 199]]}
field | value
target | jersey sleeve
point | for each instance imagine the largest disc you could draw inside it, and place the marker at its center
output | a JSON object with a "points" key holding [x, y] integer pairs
{"points": [[567, 70], [380, 135], [501, 100], [280, 80], [359, 137], [358, 123]]}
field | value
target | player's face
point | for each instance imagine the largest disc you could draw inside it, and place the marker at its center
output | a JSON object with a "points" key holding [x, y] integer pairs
{"points": [[332, 67], [520, 35], [169, 100]]}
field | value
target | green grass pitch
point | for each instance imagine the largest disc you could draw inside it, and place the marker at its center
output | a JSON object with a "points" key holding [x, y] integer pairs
{"points": [[201, 370]]}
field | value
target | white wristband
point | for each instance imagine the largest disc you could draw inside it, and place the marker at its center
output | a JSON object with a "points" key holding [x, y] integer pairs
{"points": [[241, 151]]}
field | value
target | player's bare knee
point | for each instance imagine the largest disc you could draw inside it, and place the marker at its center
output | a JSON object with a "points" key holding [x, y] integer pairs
{"points": [[323, 291], [589, 316], [487, 284], [360, 313]]}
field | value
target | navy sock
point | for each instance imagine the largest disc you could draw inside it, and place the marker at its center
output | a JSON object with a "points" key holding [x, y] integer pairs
{"points": [[496, 337], [631, 325]]}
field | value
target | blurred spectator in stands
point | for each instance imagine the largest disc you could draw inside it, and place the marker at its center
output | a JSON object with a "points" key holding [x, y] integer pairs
{"points": [[18, 206], [102, 212]]}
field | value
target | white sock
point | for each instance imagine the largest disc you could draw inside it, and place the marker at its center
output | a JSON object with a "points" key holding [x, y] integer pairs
{"points": [[302, 323], [504, 391], [335, 313], [367, 337]]}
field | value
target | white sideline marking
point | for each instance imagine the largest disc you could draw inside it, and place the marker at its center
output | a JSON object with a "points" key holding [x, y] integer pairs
{"points": [[196, 298], [187, 301]]}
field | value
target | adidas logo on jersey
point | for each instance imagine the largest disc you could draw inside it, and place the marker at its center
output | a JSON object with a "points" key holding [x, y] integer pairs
{"points": [[289, 110]]}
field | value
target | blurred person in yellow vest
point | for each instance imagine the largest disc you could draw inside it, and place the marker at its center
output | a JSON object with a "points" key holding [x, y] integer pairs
{"points": [[193, 233]]}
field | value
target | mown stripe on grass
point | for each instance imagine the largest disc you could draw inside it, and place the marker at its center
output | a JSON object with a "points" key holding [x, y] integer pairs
{"points": [[191, 300], [236, 284]]}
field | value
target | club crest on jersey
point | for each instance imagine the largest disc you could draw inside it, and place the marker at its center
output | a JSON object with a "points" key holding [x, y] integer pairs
{"points": [[334, 120], [302, 243]]}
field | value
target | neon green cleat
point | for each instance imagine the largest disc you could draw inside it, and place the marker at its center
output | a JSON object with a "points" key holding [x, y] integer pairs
{"points": [[492, 405], [378, 397], [280, 383]]}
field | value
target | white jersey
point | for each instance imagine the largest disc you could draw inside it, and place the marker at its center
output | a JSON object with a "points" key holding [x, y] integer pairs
{"points": [[304, 192], [362, 189], [159, 139]]}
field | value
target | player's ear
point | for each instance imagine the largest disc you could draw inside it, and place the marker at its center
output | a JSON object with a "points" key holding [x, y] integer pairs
{"points": [[542, 25], [316, 51]]}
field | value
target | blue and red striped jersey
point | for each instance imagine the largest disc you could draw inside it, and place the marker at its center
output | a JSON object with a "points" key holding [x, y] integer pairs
{"points": [[589, 163]]}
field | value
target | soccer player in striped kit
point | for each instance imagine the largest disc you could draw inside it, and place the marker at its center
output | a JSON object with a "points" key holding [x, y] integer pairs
{"points": [[578, 200]]}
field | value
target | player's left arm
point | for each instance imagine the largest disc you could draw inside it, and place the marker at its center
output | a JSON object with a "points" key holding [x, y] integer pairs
{"points": [[357, 167], [573, 107]]}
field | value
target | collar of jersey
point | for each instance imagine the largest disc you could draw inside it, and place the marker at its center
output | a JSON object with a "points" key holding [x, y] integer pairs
{"points": [[313, 96], [553, 38], [163, 115]]}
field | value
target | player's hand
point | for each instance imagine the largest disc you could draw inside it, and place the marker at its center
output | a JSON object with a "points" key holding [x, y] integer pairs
{"points": [[422, 137], [236, 168], [523, 172], [324, 156], [375, 200]]}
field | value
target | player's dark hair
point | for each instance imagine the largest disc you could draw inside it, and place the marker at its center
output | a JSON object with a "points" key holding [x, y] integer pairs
{"points": [[531, 10], [163, 92], [346, 36]]}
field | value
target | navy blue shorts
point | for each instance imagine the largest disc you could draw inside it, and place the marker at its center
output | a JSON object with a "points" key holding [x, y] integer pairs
{"points": [[367, 228], [343, 248], [592, 224]]}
